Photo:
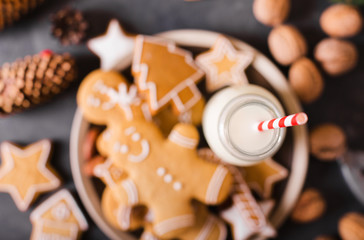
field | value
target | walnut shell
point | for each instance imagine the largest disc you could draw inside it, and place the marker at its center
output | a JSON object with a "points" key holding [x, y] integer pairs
{"points": [[271, 12], [351, 226], [341, 20], [306, 80], [327, 142], [310, 206], [286, 44], [336, 56]]}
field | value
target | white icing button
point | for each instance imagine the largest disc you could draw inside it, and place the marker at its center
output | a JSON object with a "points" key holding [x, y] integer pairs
{"points": [[124, 148], [177, 186], [161, 171], [135, 137], [168, 178]]}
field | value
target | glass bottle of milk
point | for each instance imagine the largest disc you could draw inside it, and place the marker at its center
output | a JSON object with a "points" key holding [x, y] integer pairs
{"points": [[230, 124]]}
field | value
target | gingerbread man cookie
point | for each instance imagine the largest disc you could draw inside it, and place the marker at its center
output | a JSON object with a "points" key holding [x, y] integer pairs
{"points": [[224, 65], [165, 74], [25, 173], [138, 147]]}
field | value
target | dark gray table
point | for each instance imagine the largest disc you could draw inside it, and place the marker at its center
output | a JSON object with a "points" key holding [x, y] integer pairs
{"points": [[342, 102]]}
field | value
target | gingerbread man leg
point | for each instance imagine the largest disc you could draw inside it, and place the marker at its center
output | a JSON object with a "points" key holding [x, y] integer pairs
{"points": [[120, 215], [207, 226], [173, 220]]}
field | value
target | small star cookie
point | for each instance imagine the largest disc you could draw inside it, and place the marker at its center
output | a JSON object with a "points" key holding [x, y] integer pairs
{"points": [[165, 74], [224, 65], [115, 48], [24, 172], [262, 176]]}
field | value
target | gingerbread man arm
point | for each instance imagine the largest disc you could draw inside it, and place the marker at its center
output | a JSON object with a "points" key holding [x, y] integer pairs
{"points": [[215, 183], [103, 142]]}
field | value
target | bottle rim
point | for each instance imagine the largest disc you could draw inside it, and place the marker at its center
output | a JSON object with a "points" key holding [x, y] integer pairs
{"points": [[224, 123]]}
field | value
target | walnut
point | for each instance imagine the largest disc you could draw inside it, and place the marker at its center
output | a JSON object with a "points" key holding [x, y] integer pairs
{"points": [[310, 206], [286, 44], [341, 20], [351, 226], [306, 80], [271, 12], [327, 142], [336, 56]]}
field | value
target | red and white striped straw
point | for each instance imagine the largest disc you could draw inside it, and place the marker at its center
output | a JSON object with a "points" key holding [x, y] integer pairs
{"points": [[288, 121]]}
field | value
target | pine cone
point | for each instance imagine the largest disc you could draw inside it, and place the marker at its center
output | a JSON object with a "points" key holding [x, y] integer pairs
{"points": [[33, 80], [13, 10], [69, 26]]}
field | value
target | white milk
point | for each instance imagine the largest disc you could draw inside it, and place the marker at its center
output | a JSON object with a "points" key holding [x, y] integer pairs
{"points": [[230, 124]]}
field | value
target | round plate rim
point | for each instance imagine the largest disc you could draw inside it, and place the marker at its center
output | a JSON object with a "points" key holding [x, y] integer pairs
{"points": [[203, 38]]}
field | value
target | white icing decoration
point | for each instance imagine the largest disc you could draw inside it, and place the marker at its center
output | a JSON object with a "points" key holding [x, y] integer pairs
{"points": [[93, 101], [181, 140], [143, 154], [131, 191], [123, 217], [177, 186], [215, 184], [161, 171], [124, 149], [61, 212], [168, 178], [122, 97], [129, 130], [174, 223], [135, 137]]}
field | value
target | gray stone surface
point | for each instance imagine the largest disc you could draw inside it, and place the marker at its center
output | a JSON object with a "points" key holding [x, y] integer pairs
{"points": [[342, 102]]}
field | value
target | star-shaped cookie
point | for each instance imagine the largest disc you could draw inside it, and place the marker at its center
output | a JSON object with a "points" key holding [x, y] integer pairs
{"points": [[24, 172], [115, 48], [224, 65], [262, 176]]}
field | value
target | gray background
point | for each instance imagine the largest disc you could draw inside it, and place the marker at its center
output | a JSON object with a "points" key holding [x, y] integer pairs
{"points": [[342, 101]]}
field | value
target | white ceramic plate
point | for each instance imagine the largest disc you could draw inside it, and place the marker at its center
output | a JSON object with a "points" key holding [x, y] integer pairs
{"points": [[204, 39]]}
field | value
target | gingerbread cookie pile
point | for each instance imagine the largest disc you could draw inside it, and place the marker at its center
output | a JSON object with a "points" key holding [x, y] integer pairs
{"points": [[147, 154]]}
